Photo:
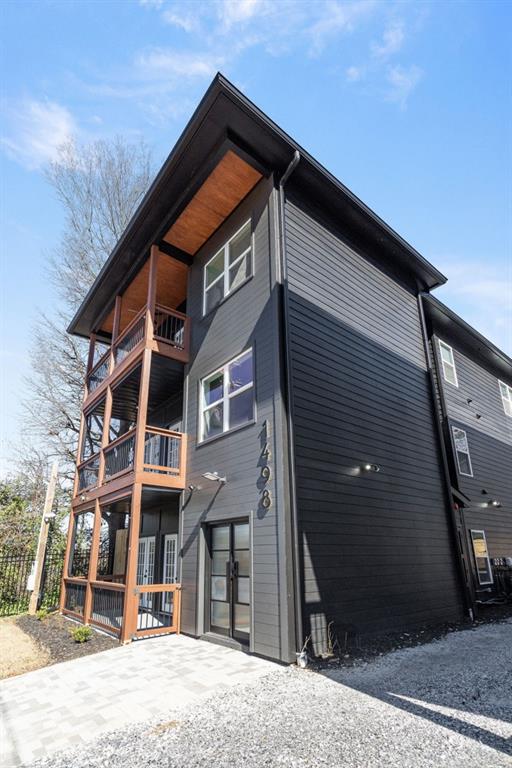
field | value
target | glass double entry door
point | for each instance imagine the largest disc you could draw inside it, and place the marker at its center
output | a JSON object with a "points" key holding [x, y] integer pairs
{"points": [[230, 588]]}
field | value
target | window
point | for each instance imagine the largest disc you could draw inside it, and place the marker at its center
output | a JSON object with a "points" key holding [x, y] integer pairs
{"points": [[506, 397], [448, 363], [483, 564], [460, 441], [228, 269], [227, 397]]}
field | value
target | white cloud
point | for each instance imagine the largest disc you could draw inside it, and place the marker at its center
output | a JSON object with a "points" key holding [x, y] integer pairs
{"points": [[151, 3], [162, 63], [392, 40], [233, 12], [35, 131], [337, 17], [402, 82], [482, 295], [182, 20], [354, 74]]}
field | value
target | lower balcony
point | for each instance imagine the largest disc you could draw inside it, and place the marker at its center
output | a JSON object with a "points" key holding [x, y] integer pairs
{"points": [[121, 566], [162, 463]]}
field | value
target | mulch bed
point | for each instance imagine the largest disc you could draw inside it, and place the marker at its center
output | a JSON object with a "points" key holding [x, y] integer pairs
{"points": [[54, 635]]}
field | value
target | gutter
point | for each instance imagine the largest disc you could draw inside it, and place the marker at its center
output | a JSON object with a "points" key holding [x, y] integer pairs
{"points": [[462, 570], [299, 629]]}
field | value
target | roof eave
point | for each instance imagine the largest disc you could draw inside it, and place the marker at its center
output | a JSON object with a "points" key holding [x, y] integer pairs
{"points": [[428, 276]]}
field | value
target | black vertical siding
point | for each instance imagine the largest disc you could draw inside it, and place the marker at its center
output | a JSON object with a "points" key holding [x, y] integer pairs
{"points": [[376, 547], [476, 407], [246, 318]]}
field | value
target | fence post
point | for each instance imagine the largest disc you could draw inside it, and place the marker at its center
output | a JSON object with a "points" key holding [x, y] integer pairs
{"points": [[43, 537]]}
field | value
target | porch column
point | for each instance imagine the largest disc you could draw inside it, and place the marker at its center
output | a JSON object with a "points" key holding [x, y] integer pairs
{"points": [[131, 600], [93, 562]]}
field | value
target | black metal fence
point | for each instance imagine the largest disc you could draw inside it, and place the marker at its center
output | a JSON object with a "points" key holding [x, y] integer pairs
{"points": [[14, 575]]}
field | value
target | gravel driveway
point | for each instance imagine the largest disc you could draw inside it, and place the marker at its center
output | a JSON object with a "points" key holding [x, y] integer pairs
{"points": [[448, 703]]}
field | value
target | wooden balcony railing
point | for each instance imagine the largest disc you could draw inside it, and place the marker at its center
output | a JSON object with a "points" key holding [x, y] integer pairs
{"points": [[132, 335], [108, 606], [88, 473], [99, 373], [158, 609], [170, 337], [163, 451], [119, 455], [170, 326], [163, 463]]}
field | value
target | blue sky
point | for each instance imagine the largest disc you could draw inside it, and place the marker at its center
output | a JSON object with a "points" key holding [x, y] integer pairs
{"points": [[409, 104]]}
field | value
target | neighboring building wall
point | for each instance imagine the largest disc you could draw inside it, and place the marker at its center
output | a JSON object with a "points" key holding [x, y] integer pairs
{"points": [[377, 549], [476, 407], [248, 317]]}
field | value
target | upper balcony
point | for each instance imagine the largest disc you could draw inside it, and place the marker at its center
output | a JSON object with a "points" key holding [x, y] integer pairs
{"points": [[131, 421], [148, 314], [169, 335]]}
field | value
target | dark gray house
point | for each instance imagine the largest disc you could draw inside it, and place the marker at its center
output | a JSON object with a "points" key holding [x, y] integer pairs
{"points": [[261, 455], [473, 385]]}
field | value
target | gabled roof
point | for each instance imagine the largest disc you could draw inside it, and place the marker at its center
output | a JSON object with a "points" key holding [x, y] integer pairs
{"points": [[446, 323], [226, 120]]}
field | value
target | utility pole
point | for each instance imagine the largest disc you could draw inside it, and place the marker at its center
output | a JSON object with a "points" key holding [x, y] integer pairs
{"points": [[43, 538]]}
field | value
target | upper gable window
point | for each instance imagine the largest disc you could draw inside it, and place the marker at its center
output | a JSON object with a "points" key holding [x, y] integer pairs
{"points": [[228, 269], [460, 440], [506, 397], [448, 363]]}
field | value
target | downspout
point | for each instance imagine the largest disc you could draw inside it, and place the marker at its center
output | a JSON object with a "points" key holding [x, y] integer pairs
{"points": [[299, 638], [444, 461]]}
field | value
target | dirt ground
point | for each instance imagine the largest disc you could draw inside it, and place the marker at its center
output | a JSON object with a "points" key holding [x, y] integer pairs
{"points": [[27, 644], [18, 652]]}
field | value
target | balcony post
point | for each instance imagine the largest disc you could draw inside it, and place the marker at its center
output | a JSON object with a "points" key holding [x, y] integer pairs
{"points": [[93, 562], [140, 437], [92, 348], [151, 297], [105, 435], [131, 600], [115, 332], [183, 458]]}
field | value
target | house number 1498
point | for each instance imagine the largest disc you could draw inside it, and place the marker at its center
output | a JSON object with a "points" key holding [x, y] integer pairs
{"points": [[266, 498]]}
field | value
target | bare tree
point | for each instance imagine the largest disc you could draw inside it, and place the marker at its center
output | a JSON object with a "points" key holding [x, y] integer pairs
{"points": [[100, 186]]}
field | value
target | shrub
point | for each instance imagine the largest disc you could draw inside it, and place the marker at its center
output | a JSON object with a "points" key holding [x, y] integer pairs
{"points": [[81, 634], [41, 614]]}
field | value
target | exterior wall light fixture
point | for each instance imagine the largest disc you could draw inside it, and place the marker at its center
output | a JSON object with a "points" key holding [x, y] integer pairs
{"points": [[371, 467], [494, 503], [215, 477]]}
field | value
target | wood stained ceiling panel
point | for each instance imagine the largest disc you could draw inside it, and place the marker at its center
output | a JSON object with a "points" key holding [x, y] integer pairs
{"points": [[171, 290], [230, 181]]}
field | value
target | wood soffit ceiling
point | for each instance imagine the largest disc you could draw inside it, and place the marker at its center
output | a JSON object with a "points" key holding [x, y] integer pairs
{"points": [[171, 290], [230, 181]]}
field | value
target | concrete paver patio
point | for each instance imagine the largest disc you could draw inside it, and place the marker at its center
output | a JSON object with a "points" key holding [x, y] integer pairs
{"points": [[67, 704]]}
